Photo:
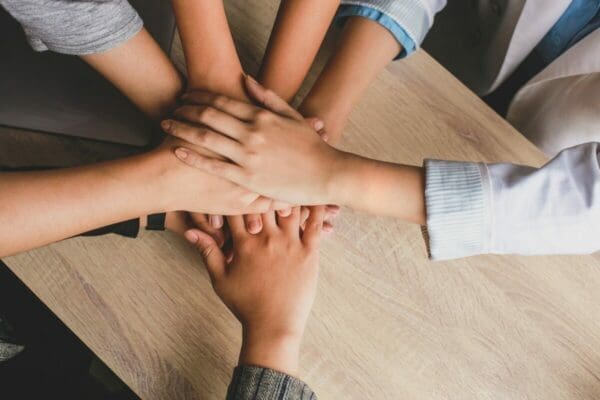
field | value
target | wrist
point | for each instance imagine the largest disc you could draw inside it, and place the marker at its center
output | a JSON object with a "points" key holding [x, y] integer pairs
{"points": [[161, 175], [273, 350], [345, 186]]}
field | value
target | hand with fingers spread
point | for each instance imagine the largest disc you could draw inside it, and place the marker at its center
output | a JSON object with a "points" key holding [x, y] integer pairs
{"points": [[269, 284]]}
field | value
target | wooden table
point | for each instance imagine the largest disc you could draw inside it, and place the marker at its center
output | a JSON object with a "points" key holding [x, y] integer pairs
{"points": [[387, 323]]}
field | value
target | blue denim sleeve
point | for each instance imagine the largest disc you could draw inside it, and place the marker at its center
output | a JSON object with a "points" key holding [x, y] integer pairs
{"points": [[408, 45]]}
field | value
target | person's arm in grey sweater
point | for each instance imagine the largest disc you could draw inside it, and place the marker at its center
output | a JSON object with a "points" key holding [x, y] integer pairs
{"points": [[269, 285]]}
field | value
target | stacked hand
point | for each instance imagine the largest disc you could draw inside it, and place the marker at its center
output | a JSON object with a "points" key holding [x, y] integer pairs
{"points": [[269, 284], [205, 114], [272, 150]]}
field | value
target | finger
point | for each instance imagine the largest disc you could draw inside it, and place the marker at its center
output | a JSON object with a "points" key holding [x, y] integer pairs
{"points": [[333, 210], [214, 119], [216, 221], [304, 214], [291, 223], [235, 108], [254, 223], [211, 253], [280, 206], [220, 168], [314, 225], [237, 227], [201, 222], [269, 221], [316, 123], [269, 100], [284, 212], [210, 140]]}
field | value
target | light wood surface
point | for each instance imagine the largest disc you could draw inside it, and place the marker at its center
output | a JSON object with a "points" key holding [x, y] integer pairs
{"points": [[387, 323]]}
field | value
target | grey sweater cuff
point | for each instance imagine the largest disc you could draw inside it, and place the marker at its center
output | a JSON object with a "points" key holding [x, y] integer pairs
{"points": [[256, 383], [458, 209]]}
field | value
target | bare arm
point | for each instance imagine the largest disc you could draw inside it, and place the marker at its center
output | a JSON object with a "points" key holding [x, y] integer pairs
{"points": [[365, 49], [297, 35], [38, 208], [142, 71], [47, 206], [212, 60]]}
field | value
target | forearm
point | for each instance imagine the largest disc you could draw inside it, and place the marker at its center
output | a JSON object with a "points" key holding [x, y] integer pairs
{"points": [[212, 60], [380, 188], [364, 50], [297, 35], [142, 72], [42, 207]]}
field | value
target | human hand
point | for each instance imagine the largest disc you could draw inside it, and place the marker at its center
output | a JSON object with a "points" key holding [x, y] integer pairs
{"points": [[197, 191], [269, 285], [272, 153], [254, 221], [179, 222]]}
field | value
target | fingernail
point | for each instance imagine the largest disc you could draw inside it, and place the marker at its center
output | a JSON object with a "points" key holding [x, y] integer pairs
{"points": [[254, 226], [284, 213], [191, 237], [319, 125], [252, 79], [216, 221], [182, 154], [166, 124]]}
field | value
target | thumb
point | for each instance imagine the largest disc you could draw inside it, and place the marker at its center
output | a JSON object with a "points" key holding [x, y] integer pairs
{"points": [[211, 253], [269, 100]]}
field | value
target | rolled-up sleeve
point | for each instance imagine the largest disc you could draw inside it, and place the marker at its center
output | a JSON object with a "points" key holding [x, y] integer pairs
{"points": [[407, 43], [257, 383], [408, 20], [75, 27], [512, 209]]}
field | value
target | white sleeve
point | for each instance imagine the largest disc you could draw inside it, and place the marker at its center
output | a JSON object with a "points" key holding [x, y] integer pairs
{"points": [[511, 209]]}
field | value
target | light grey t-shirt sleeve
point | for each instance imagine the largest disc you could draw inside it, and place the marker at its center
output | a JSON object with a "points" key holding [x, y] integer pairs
{"points": [[75, 27]]}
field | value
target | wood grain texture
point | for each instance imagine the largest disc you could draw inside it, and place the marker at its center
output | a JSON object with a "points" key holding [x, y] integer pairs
{"points": [[387, 323]]}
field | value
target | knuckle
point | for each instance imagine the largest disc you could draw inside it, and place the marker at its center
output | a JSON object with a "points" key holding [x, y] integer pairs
{"points": [[252, 160], [216, 167], [220, 100], [256, 139], [202, 137], [262, 116], [205, 113]]}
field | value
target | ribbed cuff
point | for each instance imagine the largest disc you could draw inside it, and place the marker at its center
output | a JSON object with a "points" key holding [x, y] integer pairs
{"points": [[407, 43], [251, 382], [411, 15], [458, 209]]}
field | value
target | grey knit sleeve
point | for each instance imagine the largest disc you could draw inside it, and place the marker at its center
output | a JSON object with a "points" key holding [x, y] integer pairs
{"points": [[256, 383]]}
